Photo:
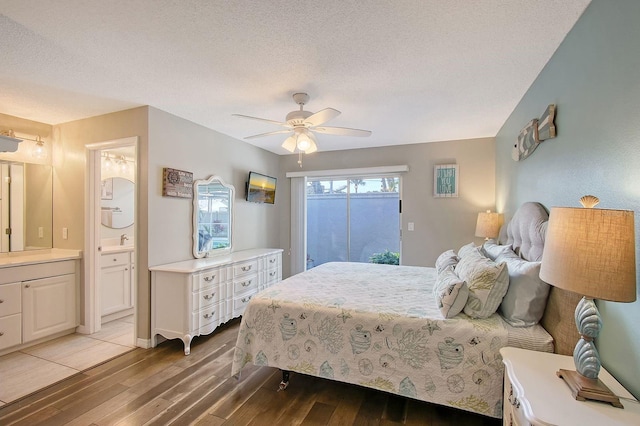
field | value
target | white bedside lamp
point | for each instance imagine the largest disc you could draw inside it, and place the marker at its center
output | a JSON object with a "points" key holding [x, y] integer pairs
{"points": [[488, 224], [590, 252]]}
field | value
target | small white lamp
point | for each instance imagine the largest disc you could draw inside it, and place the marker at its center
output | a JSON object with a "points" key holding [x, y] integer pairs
{"points": [[488, 224]]}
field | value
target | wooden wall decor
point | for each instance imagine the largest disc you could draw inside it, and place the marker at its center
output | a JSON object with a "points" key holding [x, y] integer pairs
{"points": [[536, 131], [177, 183]]}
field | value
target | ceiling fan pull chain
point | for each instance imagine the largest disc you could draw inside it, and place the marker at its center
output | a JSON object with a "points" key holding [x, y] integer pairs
{"points": [[300, 158]]}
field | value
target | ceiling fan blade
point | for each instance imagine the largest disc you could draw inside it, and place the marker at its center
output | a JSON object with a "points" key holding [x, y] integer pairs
{"points": [[279, 123], [290, 143], [277, 132], [341, 131], [321, 117]]}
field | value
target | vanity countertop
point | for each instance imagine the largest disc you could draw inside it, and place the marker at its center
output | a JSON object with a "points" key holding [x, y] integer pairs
{"points": [[116, 249], [37, 256]]}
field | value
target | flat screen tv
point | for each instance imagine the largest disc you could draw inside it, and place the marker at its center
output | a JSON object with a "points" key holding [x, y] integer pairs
{"points": [[261, 188]]}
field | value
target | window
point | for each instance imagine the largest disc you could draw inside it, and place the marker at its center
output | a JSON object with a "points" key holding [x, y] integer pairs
{"points": [[351, 219]]}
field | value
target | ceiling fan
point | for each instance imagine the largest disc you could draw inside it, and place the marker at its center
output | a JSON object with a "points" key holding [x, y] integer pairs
{"points": [[301, 126]]}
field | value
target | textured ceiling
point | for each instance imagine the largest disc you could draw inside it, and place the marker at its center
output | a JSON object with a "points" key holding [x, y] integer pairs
{"points": [[410, 71]]}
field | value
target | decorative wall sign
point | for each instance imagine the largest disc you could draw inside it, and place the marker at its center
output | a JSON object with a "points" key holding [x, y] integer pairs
{"points": [[177, 183], [535, 132], [445, 180]]}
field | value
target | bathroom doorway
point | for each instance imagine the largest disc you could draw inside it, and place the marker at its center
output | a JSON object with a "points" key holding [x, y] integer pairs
{"points": [[110, 274]]}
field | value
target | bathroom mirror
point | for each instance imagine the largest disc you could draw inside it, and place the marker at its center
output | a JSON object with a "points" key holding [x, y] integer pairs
{"points": [[26, 206], [212, 217], [117, 198]]}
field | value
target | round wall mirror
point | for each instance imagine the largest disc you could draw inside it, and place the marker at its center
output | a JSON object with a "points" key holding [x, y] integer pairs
{"points": [[117, 196]]}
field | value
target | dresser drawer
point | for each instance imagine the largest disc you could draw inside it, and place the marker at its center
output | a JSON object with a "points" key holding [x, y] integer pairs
{"points": [[272, 261], [246, 284], [206, 279], [272, 276], [10, 331], [240, 303], [245, 268], [206, 316], [513, 415], [10, 299], [115, 259], [206, 297]]}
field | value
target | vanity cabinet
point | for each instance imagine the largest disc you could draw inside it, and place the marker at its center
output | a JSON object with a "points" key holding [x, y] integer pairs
{"points": [[194, 297], [38, 299], [116, 278]]}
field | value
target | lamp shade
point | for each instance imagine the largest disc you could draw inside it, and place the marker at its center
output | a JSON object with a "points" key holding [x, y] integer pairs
{"points": [[591, 252], [488, 224]]}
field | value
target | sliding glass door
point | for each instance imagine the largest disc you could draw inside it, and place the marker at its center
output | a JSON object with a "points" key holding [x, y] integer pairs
{"points": [[355, 219]]}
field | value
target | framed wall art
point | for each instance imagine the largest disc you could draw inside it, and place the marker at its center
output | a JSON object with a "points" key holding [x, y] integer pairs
{"points": [[445, 180], [177, 183]]}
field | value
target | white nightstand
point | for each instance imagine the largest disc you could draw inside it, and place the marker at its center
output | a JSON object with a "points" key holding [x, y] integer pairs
{"points": [[533, 394]]}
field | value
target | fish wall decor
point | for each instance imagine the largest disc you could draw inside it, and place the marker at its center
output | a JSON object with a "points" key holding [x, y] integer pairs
{"points": [[536, 131]]}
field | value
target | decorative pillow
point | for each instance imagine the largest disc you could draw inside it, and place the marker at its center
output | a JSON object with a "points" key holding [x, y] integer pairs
{"points": [[448, 258], [451, 293], [468, 249], [526, 298], [487, 281], [492, 249]]}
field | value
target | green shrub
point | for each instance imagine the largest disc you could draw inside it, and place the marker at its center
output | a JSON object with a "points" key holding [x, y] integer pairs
{"points": [[387, 258]]}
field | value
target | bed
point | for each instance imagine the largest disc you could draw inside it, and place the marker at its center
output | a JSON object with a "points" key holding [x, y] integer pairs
{"points": [[380, 326]]}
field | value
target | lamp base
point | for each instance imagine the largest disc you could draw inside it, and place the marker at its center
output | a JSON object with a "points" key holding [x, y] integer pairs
{"points": [[583, 388]]}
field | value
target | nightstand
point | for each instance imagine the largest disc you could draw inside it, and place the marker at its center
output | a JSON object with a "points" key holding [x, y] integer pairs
{"points": [[534, 395]]}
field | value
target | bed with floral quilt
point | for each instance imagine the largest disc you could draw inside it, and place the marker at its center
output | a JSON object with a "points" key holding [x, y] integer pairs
{"points": [[410, 331]]}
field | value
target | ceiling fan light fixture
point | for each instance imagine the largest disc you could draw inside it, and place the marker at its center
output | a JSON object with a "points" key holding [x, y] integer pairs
{"points": [[303, 141], [290, 144]]}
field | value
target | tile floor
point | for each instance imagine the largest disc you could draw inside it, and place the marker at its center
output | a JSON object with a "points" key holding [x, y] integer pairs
{"points": [[30, 369]]}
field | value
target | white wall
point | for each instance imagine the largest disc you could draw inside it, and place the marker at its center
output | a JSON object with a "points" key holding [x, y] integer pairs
{"points": [[440, 223], [180, 144]]}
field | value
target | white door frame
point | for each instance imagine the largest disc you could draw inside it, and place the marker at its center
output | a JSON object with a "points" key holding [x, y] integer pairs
{"points": [[92, 320]]}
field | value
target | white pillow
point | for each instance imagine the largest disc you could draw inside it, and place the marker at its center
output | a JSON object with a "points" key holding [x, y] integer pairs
{"points": [[448, 258], [492, 250], [450, 292], [487, 281], [467, 249], [526, 297]]}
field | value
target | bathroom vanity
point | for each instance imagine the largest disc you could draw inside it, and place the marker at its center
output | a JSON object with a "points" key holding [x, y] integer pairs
{"points": [[194, 297], [116, 281], [38, 296]]}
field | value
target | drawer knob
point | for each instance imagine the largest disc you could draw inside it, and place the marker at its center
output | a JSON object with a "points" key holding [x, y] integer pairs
{"points": [[246, 299], [1, 301], [245, 283], [209, 279], [209, 296], [27, 286], [1, 333], [272, 261], [207, 316], [272, 274], [115, 260], [246, 268]]}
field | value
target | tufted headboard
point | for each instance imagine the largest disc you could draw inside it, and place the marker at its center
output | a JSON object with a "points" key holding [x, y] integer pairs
{"points": [[526, 232]]}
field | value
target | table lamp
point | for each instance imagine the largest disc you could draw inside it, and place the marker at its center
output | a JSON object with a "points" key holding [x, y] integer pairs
{"points": [[590, 252], [488, 224]]}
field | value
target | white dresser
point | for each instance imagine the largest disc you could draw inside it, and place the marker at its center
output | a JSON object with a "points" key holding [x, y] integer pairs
{"points": [[194, 297]]}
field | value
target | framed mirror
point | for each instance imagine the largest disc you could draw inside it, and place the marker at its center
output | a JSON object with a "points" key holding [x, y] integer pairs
{"points": [[212, 217], [26, 206], [117, 198]]}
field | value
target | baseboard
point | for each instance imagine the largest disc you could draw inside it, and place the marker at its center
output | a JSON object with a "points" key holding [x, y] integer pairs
{"points": [[143, 343]]}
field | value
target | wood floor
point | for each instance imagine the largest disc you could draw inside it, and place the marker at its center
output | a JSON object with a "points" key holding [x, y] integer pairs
{"points": [[161, 386]]}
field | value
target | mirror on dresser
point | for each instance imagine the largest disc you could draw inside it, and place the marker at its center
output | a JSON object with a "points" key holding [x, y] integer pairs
{"points": [[26, 206], [212, 217]]}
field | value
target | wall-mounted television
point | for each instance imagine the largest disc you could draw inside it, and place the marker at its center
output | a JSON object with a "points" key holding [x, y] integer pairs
{"points": [[261, 188]]}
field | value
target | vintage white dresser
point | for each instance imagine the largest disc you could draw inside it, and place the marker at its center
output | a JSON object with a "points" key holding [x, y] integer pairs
{"points": [[194, 297]]}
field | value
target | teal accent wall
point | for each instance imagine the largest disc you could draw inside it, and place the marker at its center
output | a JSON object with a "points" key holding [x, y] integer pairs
{"points": [[594, 79]]}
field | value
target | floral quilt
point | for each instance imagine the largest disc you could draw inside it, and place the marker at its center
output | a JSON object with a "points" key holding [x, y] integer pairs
{"points": [[376, 326]]}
